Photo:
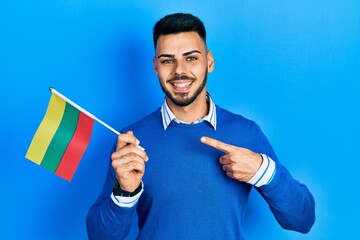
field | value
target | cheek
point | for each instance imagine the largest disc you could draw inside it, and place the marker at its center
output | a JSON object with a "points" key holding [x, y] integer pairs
{"points": [[163, 76], [166, 72], [200, 72], [200, 68]]}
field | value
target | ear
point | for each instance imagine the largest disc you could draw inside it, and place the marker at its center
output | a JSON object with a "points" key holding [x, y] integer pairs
{"points": [[155, 66], [210, 61]]}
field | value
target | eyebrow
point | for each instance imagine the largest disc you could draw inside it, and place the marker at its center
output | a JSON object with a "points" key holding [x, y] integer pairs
{"points": [[173, 56], [191, 52]]}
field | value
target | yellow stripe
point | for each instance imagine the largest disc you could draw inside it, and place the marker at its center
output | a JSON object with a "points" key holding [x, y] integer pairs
{"points": [[46, 130]]}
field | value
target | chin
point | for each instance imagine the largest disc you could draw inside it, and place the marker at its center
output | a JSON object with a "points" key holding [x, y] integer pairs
{"points": [[182, 102]]}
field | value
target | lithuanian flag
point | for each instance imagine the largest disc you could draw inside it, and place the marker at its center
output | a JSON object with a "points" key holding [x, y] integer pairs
{"points": [[62, 137]]}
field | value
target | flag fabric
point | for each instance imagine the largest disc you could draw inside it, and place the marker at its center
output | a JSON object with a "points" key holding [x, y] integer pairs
{"points": [[61, 139]]}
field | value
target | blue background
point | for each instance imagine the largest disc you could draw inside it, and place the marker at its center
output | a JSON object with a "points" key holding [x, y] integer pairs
{"points": [[292, 66]]}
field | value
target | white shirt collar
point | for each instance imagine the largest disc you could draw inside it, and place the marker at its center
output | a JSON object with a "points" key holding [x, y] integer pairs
{"points": [[168, 116]]}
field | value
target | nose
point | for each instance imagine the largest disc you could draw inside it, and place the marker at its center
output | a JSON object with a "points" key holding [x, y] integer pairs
{"points": [[179, 68]]}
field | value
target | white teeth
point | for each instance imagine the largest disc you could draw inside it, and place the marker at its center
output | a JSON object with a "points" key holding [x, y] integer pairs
{"points": [[182, 85]]}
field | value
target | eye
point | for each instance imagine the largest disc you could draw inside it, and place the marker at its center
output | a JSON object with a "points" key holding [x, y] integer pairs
{"points": [[167, 61], [191, 58]]}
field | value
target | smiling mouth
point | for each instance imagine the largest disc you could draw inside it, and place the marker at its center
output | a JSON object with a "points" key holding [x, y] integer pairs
{"points": [[181, 86]]}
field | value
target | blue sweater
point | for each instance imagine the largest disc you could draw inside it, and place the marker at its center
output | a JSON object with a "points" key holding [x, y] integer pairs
{"points": [[187, 195]]}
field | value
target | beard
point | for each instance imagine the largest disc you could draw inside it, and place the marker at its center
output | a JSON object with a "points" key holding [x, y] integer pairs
{"points": [[182, 99]]}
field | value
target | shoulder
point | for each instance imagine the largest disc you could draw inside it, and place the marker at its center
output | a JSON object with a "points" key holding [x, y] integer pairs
{"points": [[241, 131], [228, 118]]}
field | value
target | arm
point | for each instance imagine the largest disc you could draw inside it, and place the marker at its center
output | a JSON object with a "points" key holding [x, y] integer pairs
{"points": [[291, 202], [107, 219]]}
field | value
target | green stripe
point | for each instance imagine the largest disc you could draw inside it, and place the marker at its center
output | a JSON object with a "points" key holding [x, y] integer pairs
{"points": [[61, 138]]}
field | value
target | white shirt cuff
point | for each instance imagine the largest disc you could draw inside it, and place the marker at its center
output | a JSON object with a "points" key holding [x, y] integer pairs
{"points": [[127, 201], [265, 173]]}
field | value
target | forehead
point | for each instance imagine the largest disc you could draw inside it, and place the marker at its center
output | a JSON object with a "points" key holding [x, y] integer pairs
{"points": [[179, 43]]}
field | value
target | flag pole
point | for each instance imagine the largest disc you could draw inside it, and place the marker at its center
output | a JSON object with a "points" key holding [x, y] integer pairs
{"points": [[83, 110]]}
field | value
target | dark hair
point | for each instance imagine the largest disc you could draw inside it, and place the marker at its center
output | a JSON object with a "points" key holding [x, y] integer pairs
{"points": [[178, 23]]}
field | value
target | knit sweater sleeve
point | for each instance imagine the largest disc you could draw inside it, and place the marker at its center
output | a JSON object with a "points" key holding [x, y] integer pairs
{"points": [[289, 200], [105, 219]]}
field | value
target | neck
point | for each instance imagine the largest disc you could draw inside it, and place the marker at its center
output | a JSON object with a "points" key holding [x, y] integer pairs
{"points": [[194, 111]]}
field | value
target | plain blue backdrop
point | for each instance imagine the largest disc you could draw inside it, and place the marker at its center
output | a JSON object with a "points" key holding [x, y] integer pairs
{"points": [[292, 66]]}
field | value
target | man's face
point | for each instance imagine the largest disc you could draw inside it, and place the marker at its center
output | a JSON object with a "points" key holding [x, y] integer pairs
{"points": [[182, 63]]}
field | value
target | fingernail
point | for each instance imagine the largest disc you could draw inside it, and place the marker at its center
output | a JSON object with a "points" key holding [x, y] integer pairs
{"points": [[141, 147]]}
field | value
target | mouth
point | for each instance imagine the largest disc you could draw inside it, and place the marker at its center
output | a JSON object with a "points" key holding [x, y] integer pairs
{"points": [[181, 86], [181, 83]]}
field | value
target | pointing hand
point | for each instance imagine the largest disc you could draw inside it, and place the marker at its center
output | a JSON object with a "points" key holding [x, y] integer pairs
{"points": [[238, 163]]}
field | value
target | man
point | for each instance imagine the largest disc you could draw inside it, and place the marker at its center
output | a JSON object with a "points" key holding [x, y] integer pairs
{"points": [[200, 161]]}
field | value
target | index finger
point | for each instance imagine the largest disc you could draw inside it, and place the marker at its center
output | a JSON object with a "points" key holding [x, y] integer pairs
{"points": [[226, 148], [125, 139]]}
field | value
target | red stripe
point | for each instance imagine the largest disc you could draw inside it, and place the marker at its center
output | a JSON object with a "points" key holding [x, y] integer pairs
{"points": [[76, 147]]}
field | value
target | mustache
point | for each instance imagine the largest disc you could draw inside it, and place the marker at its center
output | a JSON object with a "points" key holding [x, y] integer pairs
{"points": [[181, 77]]}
